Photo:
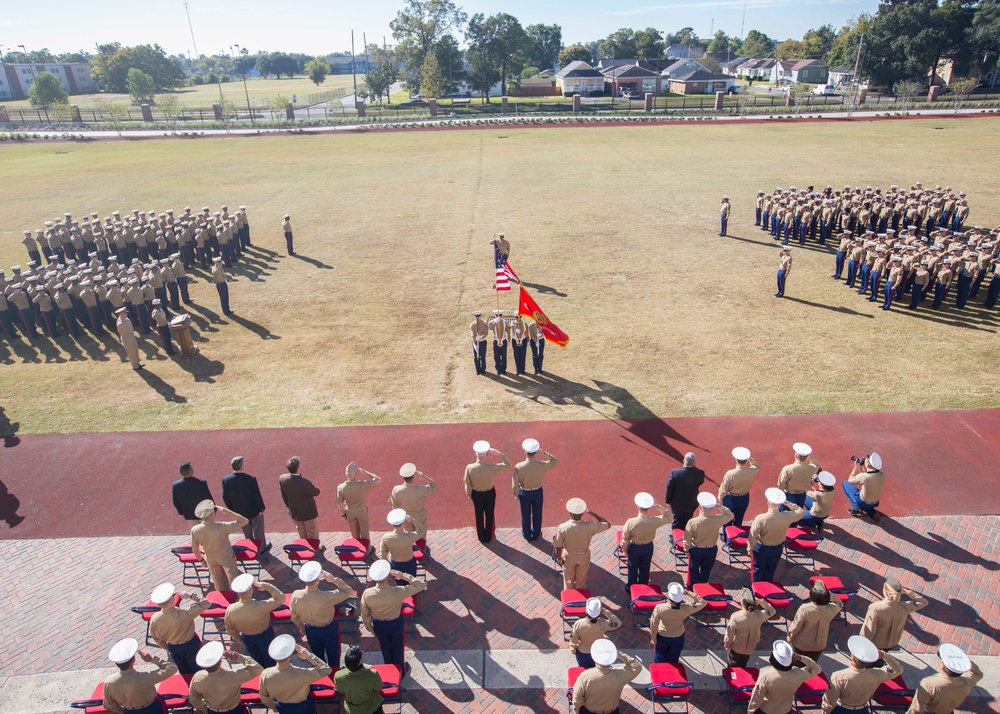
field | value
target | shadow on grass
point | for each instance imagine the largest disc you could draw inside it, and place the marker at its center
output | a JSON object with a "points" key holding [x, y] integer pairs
{"points": [[833, 308], [312, 261], [162, 388], [259, 330]]}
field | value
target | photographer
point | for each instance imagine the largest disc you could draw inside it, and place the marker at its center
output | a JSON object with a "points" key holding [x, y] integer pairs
{"points": [[864, 486], [819, 500]]}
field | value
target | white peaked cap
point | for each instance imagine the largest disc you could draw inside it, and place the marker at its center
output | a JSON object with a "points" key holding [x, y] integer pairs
{"points": [[741, 453], [707, 500], [209, 655], [123, 650], [530, 445], [604, 652], [644, 500], [481, 447], [593, 607], [862, 649], [309, 572], [954, 659], [801, 448], [675, 591], [407, 470], [782, 652], [242, 583], [775, 496], [396, 517], [827, 479], [162, 594], [875, 460], [576, 506], [281, 647], [379, 571]]}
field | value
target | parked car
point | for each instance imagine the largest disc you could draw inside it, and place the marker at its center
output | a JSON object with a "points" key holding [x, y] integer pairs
{"points": [[824, 90], [628, 93], [734, 89]]}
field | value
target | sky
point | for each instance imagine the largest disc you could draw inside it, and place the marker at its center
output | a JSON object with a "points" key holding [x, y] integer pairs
{"points": [[318, 26]]}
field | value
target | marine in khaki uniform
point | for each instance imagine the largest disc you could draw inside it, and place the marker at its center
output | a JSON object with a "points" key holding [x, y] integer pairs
{"points": [[701, 538], [885, 620], [638, 535], [126, 334], [351, 496], [479, 487], [666, 623], [784, 269], [796, 478], [285, 687], [412, 497], [210, 542], [810, 629], [248, 621], [396, 546], [734, 490], [947, 690], [479, 331], [527, 487], [724, 211], [130, 689], [381, 610], [216, 689], [286, 227], [743, 627], [173, 627], [159, 317], [599, 689], [851, 688], [864, 487], [774, 692], [571, 543], [502, 246], [498, 326], [314, 611], [588, 630], [766, 539], [219, 276]]}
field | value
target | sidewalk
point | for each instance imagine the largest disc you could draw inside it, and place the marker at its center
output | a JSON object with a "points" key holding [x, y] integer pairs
{"points": [[489, 636]]}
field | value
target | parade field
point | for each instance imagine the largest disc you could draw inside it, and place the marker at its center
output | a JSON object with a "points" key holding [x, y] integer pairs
{"points": [[613, 231]]}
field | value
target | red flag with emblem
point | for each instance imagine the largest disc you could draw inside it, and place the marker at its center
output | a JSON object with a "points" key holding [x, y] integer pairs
{"points": [[529, 308]]}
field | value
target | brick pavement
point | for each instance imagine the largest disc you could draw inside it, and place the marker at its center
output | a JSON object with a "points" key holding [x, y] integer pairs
{"points": [[502, 597]]}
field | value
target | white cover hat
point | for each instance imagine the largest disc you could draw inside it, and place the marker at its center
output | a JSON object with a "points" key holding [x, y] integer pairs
{"points": [[707, 500], [481, 447], [576, 506], [741, 453], [604, 652], [123, 650], [530, 445], [675, 591], [954, 659], [396, 517], [593, 607], [782, 652], [644, 500], [204, 509], [162, 593], [379, 571], [309, 572], [801, 448], [862, 649], [242, 583], [775, 496], [281, 647], [875, 460], [407, 470], [209, 655], [827, 479]]}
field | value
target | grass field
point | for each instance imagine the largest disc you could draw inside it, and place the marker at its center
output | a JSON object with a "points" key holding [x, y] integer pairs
{"points": [[204, 95], [613, 229]]}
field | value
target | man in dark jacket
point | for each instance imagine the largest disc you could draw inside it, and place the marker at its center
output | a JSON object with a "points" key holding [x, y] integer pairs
{"points": [[241, 494], [682, 491], [188, 492], [299, 494]]}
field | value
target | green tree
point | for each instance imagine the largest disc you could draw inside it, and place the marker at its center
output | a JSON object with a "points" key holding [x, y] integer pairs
{"points": [[283, 63], [790, 49], [110, 68], [529, 72], [46, 90], [719, 43], [574, 53], [818, 42], [140, 86], [72, 57], [684, 36], [418, 27], [906, 90], [649, 44], [620, 43], [544, 43], [170, 105], [961, 89], [116, 114], [499, 39], [382, 74], [757, 45], [61, 112], [483, 72], [431, 79], [451, 60], [844, 50], [317, 70], [278, 105]]}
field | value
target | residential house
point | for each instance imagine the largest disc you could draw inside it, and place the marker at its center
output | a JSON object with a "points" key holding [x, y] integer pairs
{"points": [[345, 64], [731, 66], [682, 67], [16, 79], [841, 74], [657, 65], [579, 78], [635, 76], [755, 69], [682, 52], [534, 88], [701, 82], [800, 70]]}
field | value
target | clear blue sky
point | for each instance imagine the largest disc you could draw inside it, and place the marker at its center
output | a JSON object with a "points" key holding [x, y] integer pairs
{"points": [[321, 26]]}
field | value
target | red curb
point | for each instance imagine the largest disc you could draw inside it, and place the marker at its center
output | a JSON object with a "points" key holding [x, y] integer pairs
{"points": [[72, 485]]}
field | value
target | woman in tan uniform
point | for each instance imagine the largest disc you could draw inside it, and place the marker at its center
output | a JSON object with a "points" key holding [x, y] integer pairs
{"points": [[743, 628], [774, 692], [666, 624], [811, 627], [886, 619], [588, 630]]}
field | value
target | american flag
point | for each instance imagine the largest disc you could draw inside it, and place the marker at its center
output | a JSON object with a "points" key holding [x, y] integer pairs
{"points": [[505, 275]]}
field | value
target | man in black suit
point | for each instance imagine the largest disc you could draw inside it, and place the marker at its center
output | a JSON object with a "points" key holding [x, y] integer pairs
{"points": [[241, 494], [188, 492], [682, 491]]}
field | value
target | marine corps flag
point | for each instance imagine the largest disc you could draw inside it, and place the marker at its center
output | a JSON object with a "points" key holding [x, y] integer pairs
{"points": [[529, 308]]}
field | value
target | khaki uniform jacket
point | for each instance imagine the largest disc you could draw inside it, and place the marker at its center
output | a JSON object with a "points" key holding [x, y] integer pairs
{"points": [[529, 473], [220, 690], [176, 625], [214, 539], [743, 628], [398, 545], [412, 498], [575, 536], [600, 688], [703, 531], [669, 621], [770, 528], [642, 529], [317, 608], [479, 476], [822, 502], [383, 601], [795, 478], [251, 617], [885, 621], [132, 689], [738, 481], [352, 495], [941, 694], [586, 631], [853, 687], [871, 484], [774, 692], [289, 684], [811, 627]]}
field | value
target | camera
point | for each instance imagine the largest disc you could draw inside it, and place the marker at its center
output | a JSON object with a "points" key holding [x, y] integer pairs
{"points": [[859, 460]]}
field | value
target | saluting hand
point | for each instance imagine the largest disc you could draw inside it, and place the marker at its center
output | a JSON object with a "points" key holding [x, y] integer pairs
{"points": [[231, 655], [301, 651], [145, 656]]}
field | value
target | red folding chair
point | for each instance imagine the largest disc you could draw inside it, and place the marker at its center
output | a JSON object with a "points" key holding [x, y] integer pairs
{"points": [[175, 690], [216, 614], [300, 551], [353, 555], [147, 611], [324, 691], [572, 674], [250, 693], [892, 696], [421, 552], [573, 607], [620, 555], [717, 603], [810, 694], [800, 547], [247, 552], [644, 599], [669, 684], [740, 682], [677, 549], [836, 587], [392, 686], [409, 612], [775, 593], [193, 573], [736, 545], [94, 705]]}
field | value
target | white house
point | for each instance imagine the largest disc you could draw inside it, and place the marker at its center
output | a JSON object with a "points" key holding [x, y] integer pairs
{"points": [[579, 78]]}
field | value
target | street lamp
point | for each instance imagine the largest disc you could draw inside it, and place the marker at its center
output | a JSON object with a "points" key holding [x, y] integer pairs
{"points": [[29, 62], [243, 71]]}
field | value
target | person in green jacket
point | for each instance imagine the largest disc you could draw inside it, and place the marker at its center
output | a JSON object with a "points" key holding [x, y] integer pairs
{"points": [[360, 687]]}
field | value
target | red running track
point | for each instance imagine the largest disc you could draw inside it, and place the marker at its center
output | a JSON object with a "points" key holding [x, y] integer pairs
{"points": [[71, 485]]}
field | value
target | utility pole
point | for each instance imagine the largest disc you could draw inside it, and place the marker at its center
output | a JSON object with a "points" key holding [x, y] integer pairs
{"points": [[743, 22], [354, 69], [191, 27], [243, 52], [857, 80]]}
